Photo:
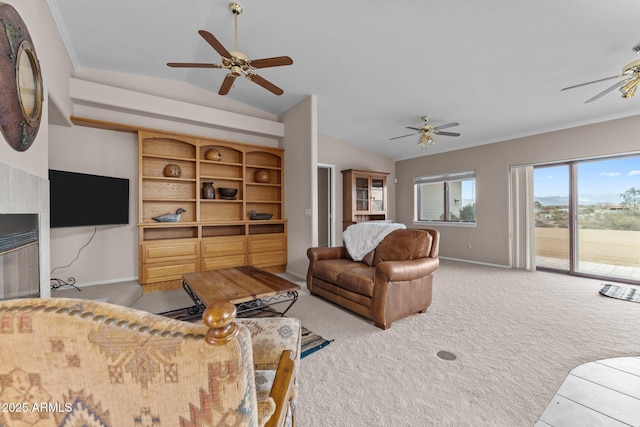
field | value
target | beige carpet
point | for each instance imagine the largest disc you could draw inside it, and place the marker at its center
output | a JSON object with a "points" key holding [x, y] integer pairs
{"points": [[516, 336]]}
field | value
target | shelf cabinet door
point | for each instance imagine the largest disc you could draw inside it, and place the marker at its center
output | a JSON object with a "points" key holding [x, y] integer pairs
{"points": [[162, 272], [169, 251], [378, 195], [223, 252], [268, 250], [362, 185]]}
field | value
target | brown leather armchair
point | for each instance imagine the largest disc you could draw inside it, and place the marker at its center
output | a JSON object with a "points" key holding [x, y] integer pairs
{"points": [[393, 281]]}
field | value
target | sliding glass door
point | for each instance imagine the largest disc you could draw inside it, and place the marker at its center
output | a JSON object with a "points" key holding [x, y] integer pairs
{"points": [[608, 219], [588, 218]]}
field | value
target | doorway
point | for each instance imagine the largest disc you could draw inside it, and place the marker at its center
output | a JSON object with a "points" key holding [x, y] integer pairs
{"points": [[326, 205]]}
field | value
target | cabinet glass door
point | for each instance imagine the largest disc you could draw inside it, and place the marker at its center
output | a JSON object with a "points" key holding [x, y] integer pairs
{"points": [[377, 195], [362, 194]]}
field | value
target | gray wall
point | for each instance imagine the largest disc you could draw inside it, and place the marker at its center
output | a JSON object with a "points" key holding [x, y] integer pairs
{"points": [[488, 242]]}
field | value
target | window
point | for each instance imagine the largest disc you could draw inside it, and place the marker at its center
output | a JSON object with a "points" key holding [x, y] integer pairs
{"points": [[447, 198]]}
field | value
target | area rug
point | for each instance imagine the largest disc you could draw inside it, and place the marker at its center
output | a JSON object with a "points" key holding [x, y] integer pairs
{"points": [[620, 292], [311, 342]]}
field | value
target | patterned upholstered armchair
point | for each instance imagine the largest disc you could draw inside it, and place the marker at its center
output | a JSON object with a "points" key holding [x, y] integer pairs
{"points": [[67, 362]]}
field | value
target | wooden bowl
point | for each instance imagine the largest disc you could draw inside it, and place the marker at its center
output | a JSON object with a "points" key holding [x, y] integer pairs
{"points": [[262, 176]]}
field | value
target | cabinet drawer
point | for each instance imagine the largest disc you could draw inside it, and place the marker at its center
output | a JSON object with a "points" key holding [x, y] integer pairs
{"points": [[268, 259], [223, 246], [168, 250], [219, 262], [151, 273], [267, 243]]}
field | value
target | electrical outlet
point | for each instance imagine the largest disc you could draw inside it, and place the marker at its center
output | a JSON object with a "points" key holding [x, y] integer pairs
{"points": [[307, 212]]}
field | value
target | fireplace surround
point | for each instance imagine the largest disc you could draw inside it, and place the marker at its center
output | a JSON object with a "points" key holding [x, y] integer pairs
{"points": [[19, 256], [24, 193]]}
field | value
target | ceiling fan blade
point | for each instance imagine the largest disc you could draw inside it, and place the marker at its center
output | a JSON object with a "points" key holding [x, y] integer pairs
{"points": [[595, 81], [193, 65], [226, 84], [447, 133], [448, 125], [606, 91], [215, 44], [416, 129], [403, 136], [271, 62], [264, 83]]}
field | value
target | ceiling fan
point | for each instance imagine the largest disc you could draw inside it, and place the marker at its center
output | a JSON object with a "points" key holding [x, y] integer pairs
{"points": [[627, 86], [426, 130], [237, 62]]}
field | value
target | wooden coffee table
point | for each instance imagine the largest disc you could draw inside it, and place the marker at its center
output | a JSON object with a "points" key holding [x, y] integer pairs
{"points": [[248, 287]]}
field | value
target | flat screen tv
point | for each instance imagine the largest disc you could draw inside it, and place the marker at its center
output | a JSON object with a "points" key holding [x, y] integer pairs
{"points": [[78, 199]]}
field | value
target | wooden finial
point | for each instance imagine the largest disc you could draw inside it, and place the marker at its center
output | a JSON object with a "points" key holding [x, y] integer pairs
{"points": [[219, 317]]}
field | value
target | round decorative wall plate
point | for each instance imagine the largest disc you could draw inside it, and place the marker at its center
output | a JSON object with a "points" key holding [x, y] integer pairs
{"points": [[20, 81]]}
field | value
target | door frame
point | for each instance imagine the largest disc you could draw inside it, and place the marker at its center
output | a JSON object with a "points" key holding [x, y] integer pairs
{"points": [[331, 199]]}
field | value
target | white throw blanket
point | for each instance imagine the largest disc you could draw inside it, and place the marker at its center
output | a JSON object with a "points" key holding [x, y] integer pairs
{"points": [[360, 239]]}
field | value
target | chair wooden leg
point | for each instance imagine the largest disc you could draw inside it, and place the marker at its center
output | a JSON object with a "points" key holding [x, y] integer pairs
{"points": [[282, 389]]}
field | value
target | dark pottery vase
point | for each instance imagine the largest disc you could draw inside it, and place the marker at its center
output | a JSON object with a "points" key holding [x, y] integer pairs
{"points": [[208, 192]]}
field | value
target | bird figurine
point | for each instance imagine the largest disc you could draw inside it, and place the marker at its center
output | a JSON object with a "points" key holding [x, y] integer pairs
{"points": [[170, 217]]}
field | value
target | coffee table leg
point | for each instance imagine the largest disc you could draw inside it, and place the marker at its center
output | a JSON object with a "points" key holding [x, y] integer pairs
{"points": [[294, 298], [199, 305]]}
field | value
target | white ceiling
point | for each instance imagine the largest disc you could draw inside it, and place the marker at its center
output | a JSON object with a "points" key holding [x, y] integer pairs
{"points": [[494, 66]]}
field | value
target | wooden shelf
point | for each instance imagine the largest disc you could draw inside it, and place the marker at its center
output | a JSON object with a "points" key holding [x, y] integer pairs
{"points": [[222, 223]]}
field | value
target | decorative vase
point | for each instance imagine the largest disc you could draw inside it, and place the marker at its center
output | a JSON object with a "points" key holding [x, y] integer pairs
{"points": [[213, 154], [172, 171], [262, 176], [208, 192]]}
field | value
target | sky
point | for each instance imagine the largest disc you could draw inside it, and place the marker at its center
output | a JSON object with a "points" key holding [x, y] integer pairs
{"points": [[596, 179]]}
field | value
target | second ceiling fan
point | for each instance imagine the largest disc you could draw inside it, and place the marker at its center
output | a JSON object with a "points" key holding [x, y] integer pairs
{"points": [[627, 86], [237, 62], [426, 130]]}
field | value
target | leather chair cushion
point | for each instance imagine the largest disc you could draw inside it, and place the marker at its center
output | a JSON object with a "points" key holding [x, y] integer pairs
{"points": [[329, 269], [358, 280], [402, 245], [368, 258]]}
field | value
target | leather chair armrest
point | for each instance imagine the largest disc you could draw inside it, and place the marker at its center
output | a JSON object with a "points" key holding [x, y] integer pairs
{"points": [[392, 271], [317, 254]]}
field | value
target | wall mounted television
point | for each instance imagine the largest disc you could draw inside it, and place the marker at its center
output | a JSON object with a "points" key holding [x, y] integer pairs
{"points": [[78, 199]]}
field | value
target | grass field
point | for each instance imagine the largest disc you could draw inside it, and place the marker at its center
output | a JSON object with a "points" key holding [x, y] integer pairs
{"points": [[615, 247]]}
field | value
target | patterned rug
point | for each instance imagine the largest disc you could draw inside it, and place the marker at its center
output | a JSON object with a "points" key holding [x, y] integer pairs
{"points": [[311, 342], [621, 292]]}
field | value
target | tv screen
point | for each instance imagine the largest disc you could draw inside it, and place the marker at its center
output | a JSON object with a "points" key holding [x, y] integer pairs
{"points": [[78, 199]]}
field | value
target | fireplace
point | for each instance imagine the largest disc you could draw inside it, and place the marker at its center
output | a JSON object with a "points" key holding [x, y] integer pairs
{"points": [[19, 256]]}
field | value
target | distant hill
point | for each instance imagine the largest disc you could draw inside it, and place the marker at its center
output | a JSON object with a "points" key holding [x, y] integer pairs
{"points": [[586, 199]]}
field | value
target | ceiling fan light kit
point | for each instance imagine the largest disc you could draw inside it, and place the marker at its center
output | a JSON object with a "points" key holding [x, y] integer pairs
{"points": [[235, 61], [426, 130]]}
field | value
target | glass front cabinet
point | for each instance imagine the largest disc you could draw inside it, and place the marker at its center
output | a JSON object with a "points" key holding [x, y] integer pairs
{"points": [[364, 196]]}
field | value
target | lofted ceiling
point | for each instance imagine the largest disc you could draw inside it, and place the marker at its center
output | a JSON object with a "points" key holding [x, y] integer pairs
{"points": [[495, 66]]}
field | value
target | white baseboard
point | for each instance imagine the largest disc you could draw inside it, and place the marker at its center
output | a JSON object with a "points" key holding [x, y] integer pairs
{"points": [[476, 262], [106, 282]]}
